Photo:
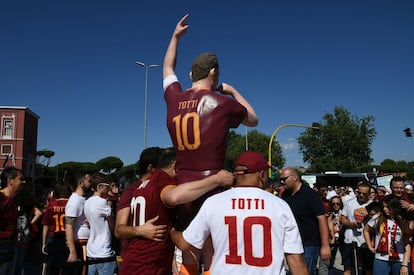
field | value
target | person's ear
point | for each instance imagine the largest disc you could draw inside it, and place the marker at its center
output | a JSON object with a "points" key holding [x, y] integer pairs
{"points": [[262, 178], [174, 165], [150, 168], [212, 72], [190, 74]]}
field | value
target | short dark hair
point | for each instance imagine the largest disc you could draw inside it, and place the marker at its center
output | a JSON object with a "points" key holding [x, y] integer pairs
{"points": [[364, 183], [73, 178], [149, 156], [167, 156], [61, 190], [9, 173], [98, 178], [202, 65], [395, 179]]}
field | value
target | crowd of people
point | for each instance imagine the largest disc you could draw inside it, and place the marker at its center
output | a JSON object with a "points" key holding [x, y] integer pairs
{"points": [[370, 227], [185, 214], [86, 226]]}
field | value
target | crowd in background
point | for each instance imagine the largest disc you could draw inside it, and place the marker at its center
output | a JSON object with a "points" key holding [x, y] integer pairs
{"points": [[370, 227]]}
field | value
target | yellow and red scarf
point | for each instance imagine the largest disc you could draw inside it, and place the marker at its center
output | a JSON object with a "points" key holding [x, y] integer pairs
{"points": [[383, 248]]}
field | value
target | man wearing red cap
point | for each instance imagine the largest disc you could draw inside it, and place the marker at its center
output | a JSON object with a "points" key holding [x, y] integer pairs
{"points": [[252, 230]]}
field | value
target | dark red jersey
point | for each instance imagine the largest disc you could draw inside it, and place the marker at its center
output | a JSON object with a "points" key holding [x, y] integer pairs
{"points": [[54, 217], [8, 217], [198, 122], [125, 198], [144, 256]]}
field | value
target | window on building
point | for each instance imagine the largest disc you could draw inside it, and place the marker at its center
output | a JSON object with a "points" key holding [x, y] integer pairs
{"points": [[6, 149], [7, 128]]}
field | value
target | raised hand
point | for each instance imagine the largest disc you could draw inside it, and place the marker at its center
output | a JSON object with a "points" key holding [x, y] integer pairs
{"points": [[181, 27]]}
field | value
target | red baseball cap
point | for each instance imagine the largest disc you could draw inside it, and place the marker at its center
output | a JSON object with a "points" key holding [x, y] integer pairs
{"points": [[254, 162]]}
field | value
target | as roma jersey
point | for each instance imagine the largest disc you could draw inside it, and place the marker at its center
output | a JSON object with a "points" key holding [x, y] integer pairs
{"points": [[198, 122], [54, 217], [144, 256]]}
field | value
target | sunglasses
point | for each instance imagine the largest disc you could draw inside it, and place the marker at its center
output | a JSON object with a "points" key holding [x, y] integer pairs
{"points": [[362, 193], [336, 203], [284, 178]]}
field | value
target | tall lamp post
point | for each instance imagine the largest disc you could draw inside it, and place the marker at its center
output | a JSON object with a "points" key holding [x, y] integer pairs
{"points": [[315, 126], [147, 67]]}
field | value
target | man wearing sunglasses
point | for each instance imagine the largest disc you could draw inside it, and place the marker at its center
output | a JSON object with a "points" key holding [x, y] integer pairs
{"points": [[100, 255], [353, 215], [309, 214]]}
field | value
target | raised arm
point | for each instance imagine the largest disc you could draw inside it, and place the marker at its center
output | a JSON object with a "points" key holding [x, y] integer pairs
{"points": [[251, 120], [189, 191], [170, 58]]}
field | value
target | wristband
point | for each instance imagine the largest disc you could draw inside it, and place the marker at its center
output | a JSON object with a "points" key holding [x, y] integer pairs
{"points": [[404, 265]]}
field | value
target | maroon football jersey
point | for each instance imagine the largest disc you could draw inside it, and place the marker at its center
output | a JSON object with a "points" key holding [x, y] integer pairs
{"points": [[8, 217], [198, 122], [54, 217], [144, 256], [125, 199]]}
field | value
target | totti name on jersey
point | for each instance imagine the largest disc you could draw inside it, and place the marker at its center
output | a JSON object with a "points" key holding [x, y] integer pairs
{"points": [[247, 204], [188, 104]]}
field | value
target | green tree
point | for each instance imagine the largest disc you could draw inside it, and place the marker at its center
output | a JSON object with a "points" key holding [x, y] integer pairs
{"points": [[74, 168], [256, 141], [343, 143], [389, 166], [109, 164]]}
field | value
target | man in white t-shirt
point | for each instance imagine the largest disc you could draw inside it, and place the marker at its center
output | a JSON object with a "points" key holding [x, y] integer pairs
{"points": [[100, 255], [76, 226], [352, 218], [252, 230]]}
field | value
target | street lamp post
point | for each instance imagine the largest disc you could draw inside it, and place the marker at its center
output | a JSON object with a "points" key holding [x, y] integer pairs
{"points": [[314, 126], [147, 67]]}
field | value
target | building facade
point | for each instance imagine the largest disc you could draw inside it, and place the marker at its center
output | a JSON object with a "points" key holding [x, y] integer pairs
{"points": [[18, 138]]}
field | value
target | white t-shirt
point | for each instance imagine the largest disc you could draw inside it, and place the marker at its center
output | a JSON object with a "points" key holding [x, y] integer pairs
{"points": [[251, 231], [74, 208], [352, 206], [399, 241], [97, 212]]}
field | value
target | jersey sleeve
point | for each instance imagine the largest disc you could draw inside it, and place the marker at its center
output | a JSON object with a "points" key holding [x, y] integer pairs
{"points": [[46, 216], [198, 230], [169, 80], [292, 240]]}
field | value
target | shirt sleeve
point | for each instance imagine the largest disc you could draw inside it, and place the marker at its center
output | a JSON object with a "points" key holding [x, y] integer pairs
{"points": [[292, 241], [169, 80], [71, 209], [198, 230]]}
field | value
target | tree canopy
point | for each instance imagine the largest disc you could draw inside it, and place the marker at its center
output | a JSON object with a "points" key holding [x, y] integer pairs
{"points": [[343, 143], [110, 164]]}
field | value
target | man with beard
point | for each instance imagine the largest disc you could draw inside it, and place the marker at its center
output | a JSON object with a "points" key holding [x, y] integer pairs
{"points": [[77, 228]]}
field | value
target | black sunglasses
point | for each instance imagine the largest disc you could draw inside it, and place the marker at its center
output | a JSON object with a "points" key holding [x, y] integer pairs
{"points": [[284, 178]]}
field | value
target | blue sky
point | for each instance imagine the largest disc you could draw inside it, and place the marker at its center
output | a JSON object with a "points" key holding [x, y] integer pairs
{"points": [[73, 63]]}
